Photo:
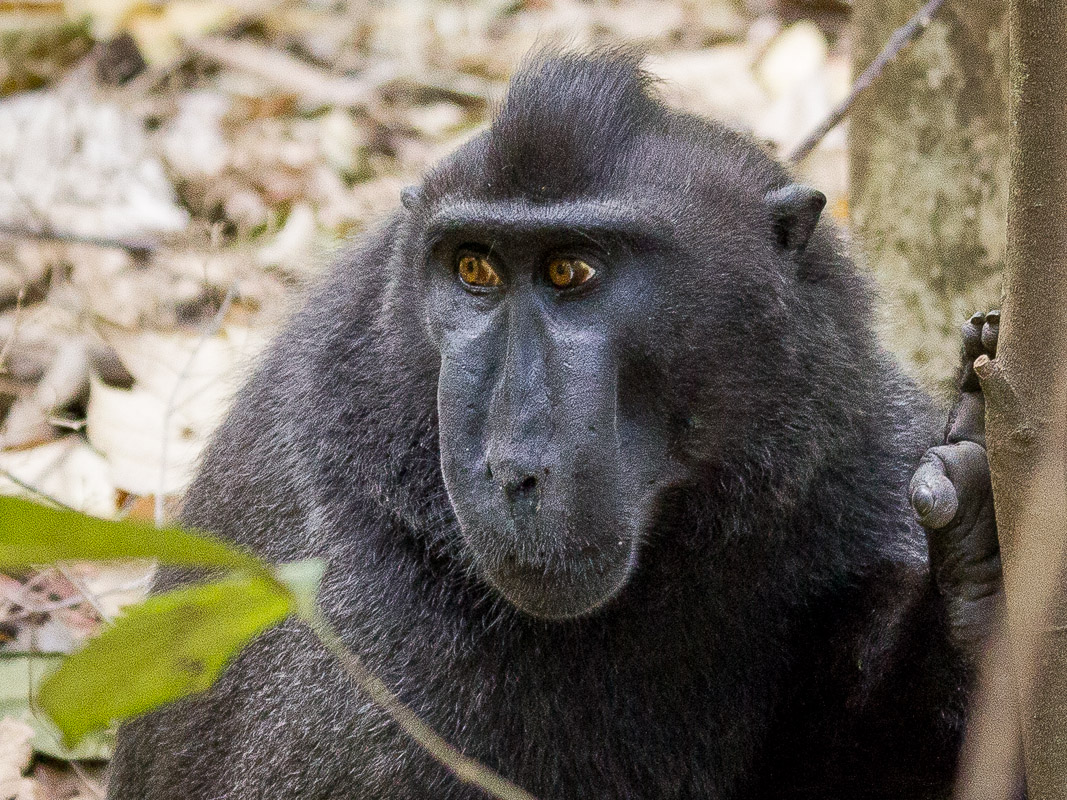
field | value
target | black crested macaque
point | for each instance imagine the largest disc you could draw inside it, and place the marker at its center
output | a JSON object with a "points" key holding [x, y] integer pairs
{"points": [[612, 478]]}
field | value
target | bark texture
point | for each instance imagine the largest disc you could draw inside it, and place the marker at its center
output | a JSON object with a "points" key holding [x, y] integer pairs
{"points": [[1026, 390], [929, 173]]}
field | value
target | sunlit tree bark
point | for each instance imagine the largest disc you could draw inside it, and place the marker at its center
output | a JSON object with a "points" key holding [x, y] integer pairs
{"points": [[1026, 391], [928, 161]]}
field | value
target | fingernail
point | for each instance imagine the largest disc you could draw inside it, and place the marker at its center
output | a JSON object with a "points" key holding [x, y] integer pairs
{"points": [[923, 500]]}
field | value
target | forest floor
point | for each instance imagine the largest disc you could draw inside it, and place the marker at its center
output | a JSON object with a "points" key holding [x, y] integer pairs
{"points": [[174, 175]]}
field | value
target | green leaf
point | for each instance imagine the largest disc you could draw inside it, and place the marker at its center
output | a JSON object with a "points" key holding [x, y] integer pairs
{"points": [[302, 578], [33, 534], [172, 645], [20, 675]]}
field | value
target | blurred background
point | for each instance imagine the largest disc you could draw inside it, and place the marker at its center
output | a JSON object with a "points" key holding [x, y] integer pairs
{"points": [[174, 175]]}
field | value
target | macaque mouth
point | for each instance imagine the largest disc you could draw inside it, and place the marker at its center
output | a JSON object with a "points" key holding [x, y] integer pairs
{"points": [[552, 592]]}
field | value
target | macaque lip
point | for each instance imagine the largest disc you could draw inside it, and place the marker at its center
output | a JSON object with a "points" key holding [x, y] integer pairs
{"points": [[557, 594]]}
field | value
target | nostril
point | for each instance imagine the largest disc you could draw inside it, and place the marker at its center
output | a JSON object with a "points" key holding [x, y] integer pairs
{"points": [[522, 490]]}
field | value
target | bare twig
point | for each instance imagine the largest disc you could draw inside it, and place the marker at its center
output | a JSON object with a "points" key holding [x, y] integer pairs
{"points": [[30, 608], [5, 351], [466, 769], [210, 330], [84, 591], [94, 787], [464, 90], [40, 493], [140, 248], [315, 86], [901, 39], [151, 78]]}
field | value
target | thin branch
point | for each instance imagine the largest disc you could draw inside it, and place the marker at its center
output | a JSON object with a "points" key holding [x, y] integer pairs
{"points": [[95, 789], [319, 87], [5, 351], [902, 38], [30, 608], [465, 768], [139, 248], [39, 493], [83, 590], [209, 330], [44, 720], [149, 80], [312, 84]]}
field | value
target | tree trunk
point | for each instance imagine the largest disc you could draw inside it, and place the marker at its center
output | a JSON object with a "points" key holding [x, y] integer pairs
{"points": [[1026, 390], [929, 173]]}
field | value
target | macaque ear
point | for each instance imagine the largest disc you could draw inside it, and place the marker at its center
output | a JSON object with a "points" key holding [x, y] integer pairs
{"points": [[795, 210], [410, 197]]}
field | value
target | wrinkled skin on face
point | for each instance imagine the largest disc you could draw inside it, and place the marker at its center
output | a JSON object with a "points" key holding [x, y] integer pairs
{"points": [[557, 438], [552, 457]]}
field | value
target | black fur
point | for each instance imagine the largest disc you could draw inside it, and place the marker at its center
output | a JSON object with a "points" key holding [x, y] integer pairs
{"points": [[780, 635]]}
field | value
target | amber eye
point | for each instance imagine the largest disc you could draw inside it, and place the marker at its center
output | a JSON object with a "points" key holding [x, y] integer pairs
{"points": [[475, 270], [566, 273]]}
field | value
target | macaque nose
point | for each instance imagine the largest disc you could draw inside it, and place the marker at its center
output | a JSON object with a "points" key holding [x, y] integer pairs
{"points": [[522, 490], [521, 487]]}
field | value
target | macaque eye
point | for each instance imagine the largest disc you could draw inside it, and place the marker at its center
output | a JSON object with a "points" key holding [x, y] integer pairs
{"points": [[566, 273], [475, 270]]}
